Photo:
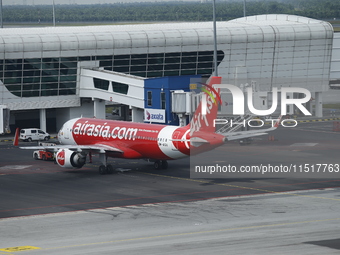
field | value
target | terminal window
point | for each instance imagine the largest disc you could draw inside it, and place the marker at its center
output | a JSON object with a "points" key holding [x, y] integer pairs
{"points": [[149, 98], [120, 88], [101, 84], [163, 100], [163, 64], [33, 77]]}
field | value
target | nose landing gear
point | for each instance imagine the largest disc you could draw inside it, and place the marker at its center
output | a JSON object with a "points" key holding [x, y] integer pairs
{"points": [[160, 164]]}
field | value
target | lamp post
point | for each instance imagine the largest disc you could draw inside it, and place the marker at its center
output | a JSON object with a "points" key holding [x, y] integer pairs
{"points": [[215, 39], [1, 24], [53, 13], [244, 8]]}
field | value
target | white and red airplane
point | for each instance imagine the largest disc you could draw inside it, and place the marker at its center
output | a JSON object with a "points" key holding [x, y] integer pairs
{"points": [[158, 143]]}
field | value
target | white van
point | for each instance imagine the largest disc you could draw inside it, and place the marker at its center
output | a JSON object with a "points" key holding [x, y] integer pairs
{"points": [[33, 134]]}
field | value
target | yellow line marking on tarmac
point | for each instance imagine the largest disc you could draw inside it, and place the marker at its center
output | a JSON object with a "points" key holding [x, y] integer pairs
{"points": [[192, 233], [242, 187], [307, 121], [317, 131], [19, 248]]}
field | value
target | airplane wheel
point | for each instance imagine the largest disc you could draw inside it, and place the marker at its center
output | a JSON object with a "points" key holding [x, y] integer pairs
{"points": [[157, 165], [35, 156], [164, 164], [109, 169], [102, 169]]}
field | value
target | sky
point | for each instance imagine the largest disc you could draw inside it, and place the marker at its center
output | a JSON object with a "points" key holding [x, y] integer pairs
{"points": [[46, 2]]}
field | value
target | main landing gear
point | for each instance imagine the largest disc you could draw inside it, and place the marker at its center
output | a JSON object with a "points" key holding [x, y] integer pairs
{"points": [[105, 168], [160, 164]]}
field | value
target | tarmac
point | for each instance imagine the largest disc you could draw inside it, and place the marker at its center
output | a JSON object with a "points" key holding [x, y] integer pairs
{"points": [[305, 222], [47, 209]]}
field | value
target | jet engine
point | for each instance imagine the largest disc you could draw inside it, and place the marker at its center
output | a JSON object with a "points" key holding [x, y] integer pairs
{"points": [[70, 159]]}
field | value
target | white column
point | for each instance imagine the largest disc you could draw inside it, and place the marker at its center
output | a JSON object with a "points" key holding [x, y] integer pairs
{"points": [[42, 114], [137, 114], [99, 108], [310, 104], [290, 108], [1, 120], [318, 104]]}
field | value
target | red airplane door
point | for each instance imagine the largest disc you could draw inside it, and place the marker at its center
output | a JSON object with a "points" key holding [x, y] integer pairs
{"points": [[67, 132], [175, 140]]}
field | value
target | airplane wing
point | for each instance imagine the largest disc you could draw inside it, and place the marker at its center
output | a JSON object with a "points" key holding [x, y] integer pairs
{"points": [[241, 135], [230, 136], [101, 148], [198, 141]]}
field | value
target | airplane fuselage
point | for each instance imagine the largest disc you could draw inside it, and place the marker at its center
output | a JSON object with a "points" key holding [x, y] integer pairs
{"points": [[136, 140]]}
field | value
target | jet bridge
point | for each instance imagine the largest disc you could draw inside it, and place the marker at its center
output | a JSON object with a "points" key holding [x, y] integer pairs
{"points": [[145, 96], [102, 85], [112, 86]]}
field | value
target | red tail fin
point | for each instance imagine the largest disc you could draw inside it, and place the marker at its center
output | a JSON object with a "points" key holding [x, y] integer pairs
{"points": [[206, 112]]}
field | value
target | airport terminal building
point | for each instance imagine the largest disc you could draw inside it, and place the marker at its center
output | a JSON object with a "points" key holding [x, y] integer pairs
{"points": [[49, 75]]}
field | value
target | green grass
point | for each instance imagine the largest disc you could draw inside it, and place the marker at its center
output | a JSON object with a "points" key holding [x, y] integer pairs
{"points": [[109, 109], [62, 24], [332, 106]]}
